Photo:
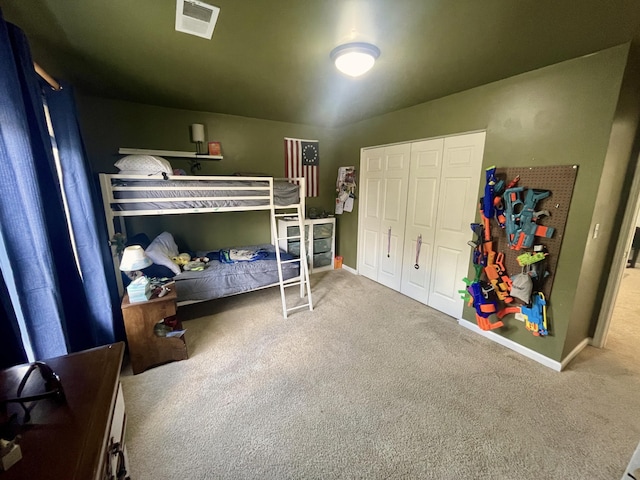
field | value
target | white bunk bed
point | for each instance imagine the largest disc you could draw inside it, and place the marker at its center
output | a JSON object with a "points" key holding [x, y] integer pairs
{"points": [[126, 195]]}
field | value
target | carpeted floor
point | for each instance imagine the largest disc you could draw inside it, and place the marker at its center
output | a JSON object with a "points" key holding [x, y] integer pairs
{"points": [[373, 385]]}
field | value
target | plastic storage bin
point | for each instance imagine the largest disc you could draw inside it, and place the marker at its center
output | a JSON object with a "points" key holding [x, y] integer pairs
{"points": [[294, 248], [322, 245], [321, 259], [323, 230]]}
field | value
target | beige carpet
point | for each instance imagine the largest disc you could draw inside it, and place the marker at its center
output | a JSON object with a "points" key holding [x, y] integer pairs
{"points": [[373, 385]]}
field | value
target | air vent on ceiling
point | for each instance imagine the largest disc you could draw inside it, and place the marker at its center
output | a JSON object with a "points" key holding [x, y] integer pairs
{"points": [[196, 18]]}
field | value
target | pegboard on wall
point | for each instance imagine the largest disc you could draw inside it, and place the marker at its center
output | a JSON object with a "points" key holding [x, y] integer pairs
{"points": [[559, 180]]}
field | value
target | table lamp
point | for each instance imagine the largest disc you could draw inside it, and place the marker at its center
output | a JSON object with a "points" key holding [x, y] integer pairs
{"points": [[197, 136], [133, 261]]}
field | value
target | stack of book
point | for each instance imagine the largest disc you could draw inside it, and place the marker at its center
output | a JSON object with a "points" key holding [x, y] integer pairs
{"points": [[139, 290]]}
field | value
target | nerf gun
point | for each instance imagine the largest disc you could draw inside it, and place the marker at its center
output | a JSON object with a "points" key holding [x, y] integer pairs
{"points": [[491, 203], [529, 258], [480, 246], [536, 315], [498, 277], [498, 203], [522, 227], [478, 231], [484, 305], [486, 203]]}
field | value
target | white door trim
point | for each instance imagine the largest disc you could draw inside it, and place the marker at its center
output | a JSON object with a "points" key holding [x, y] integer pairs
{"points": [[618, 263]]}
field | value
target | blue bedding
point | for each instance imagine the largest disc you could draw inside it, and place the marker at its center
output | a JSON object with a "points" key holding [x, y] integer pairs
{"points": [[220, 279]]}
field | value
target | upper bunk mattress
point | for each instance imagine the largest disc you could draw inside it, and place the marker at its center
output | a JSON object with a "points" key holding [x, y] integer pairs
{"points": [[197, 194]]}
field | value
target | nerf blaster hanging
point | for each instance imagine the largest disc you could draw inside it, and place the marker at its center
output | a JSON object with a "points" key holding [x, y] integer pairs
{"points": [[486, 203], [529, 258], [498, 203], [521, 217], [491, 204], [485, 306], [536, 315], [497, 276]]}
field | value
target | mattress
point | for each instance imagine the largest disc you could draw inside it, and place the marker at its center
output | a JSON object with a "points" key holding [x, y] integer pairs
{"points": [[222, 279], [200, 194]]}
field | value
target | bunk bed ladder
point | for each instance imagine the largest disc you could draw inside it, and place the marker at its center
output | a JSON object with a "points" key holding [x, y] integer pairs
{"points": [[303, 279]]}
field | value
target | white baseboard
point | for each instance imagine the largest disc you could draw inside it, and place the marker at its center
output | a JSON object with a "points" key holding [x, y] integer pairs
{"points": [[527, 352], [349, 269], [574, 353], [516, 347]]}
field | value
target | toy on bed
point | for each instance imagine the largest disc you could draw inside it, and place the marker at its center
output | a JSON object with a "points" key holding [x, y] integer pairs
{"points": [[185, 262], [233, 255]]}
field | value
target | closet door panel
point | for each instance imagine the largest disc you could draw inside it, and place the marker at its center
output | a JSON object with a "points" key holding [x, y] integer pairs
{"points": [[451, 248], [394, 211], [389, 274], [422, 204], [369, 259], [453, 202], [457, 206], [394, 205], [444, 274], [371, 210]]}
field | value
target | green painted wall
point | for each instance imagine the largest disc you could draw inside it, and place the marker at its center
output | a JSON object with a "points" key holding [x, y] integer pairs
{"points": [[611, 202], [249, 146], [558, 115]]}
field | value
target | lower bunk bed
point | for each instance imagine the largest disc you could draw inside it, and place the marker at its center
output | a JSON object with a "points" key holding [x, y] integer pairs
{"points": [[219, 273], [219, 279]]}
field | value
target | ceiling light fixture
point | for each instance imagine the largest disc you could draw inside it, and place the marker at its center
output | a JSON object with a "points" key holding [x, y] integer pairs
{"points": [[356, 58]]}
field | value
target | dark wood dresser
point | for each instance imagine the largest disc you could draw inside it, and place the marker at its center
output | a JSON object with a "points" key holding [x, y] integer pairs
{"points": [[82, 438]]}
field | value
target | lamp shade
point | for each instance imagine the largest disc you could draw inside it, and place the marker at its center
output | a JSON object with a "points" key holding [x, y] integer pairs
{"points": [[356, 58], [197, 133], [134, 259]]}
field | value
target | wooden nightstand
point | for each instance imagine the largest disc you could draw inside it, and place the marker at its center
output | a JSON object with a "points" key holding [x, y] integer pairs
{"points": [[146, 349]]}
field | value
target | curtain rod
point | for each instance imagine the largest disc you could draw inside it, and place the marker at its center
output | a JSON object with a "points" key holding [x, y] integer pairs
{"points": [[46, 77]]}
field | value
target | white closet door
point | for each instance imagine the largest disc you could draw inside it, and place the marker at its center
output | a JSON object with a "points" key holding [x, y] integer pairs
{"points": [[394, 210], [422, 205], [457, 205], [372, 165]]}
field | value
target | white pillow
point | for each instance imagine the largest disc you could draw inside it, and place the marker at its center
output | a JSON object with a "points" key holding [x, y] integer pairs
{"points": [[162, 250], [144, 164]]}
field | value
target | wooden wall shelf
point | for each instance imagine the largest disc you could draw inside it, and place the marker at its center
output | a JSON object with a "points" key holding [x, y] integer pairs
{"points": [[168, 153]]}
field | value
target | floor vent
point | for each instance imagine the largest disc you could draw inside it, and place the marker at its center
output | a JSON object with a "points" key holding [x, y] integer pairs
{"points": [[196, 18]]}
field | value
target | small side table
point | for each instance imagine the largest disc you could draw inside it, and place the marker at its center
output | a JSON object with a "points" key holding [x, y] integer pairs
{"points": [[146, 349]]}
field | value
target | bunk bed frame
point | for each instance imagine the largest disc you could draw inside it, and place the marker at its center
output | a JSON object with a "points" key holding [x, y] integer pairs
{"points": [[125, 195]]}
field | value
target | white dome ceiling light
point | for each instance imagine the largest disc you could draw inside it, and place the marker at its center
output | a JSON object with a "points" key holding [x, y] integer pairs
{"points": [[356, 58]]}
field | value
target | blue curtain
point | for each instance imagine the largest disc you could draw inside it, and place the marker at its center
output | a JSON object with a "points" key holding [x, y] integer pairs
{"points": [[12, 351], [63, 310], [90, 235]]}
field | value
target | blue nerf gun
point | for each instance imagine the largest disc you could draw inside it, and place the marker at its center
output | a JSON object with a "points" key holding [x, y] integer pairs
{"points": [[485, 306], [521, 217], [536, 315], [487, 208]]}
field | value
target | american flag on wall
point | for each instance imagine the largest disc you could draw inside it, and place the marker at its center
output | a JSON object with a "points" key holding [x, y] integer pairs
{"points": [[302, 159]]}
